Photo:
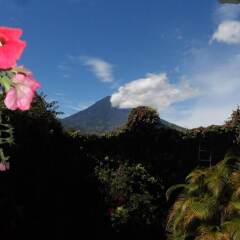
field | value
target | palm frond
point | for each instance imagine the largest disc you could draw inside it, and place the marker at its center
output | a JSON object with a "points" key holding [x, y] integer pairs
{"points": [[232, 227], [209, 206], [211, 233], [196, 175], [174, 188]]}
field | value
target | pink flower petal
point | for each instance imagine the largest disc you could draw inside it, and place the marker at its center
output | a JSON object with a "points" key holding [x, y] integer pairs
{"points": [[12, 33], [21, 94], [11, 47], [11, 99], [2, 167]]}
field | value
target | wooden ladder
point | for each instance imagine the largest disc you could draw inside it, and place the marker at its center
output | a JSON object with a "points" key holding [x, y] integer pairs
{"points": [[204, 156]]}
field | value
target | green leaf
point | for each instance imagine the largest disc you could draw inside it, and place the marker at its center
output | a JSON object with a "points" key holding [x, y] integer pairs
{"points": [[173, 188], [6, 83], [236, 204], [21, 70]]}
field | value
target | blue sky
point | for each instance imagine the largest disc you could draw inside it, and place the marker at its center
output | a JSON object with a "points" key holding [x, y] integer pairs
{"points": [[181, 57]]}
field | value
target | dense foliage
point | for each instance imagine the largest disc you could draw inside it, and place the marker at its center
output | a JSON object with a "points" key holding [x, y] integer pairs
{"points": [[65, 185], [208, 207], [134, 195]]}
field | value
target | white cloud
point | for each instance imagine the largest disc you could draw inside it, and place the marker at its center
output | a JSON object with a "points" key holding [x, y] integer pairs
{"points": [[215, 76], [218, 82], [154, 90], [203, 115], [102, 69], [228, 32]]}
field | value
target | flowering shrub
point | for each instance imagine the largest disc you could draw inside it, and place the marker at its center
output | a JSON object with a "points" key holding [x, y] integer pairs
{"points": [[17, 83]]}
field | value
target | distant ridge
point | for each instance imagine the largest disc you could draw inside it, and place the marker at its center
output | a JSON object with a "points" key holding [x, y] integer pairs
{"points": [[101, 117]]}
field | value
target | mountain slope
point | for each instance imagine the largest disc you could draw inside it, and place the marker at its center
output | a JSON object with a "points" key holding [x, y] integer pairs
{"points": [[102, 117], [98, 118]]}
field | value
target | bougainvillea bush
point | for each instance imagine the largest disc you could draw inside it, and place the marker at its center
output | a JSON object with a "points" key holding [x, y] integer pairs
{"points": [[17, 83]]}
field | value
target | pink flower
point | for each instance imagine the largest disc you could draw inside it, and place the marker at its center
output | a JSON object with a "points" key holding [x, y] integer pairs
{"points": [[21, 93], [11, 47], [4, 166]]}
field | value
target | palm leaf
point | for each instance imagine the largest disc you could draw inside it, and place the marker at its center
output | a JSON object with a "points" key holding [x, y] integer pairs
{"points": [[232, 227], [174, 188]]}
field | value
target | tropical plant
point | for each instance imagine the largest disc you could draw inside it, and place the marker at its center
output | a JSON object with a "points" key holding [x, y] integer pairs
{"points": [[208, 207]]}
